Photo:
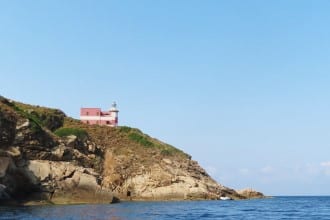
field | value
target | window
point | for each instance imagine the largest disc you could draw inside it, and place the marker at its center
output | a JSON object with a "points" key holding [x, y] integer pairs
{"points": [[97, 113], [87, 122], [108, 122], [87, 113]]}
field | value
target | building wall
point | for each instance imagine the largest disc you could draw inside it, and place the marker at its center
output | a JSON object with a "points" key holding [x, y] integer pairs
{"points": [[96, 116], [90, 111]]}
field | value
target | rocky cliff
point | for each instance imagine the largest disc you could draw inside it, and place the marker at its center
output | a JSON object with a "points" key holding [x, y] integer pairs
{"points": [[47, 156]]}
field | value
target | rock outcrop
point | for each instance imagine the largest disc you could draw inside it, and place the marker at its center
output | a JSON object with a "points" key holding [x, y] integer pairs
{"points": [[37, 165], [250, 193], [63, 182], [46, 156], [169, 179]]}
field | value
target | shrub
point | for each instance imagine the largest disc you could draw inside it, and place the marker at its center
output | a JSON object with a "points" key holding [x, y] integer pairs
{"points": [[80, 133]]}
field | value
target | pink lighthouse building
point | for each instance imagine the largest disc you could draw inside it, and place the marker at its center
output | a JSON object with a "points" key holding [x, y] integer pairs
{"points": [[95, 116]]}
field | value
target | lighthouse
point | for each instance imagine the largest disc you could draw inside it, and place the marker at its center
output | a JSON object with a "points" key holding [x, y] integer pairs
{"points": [[114, 114], [97, 116]]}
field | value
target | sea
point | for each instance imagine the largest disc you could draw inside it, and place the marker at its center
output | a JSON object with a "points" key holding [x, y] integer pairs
{"points": [[310, 207]]}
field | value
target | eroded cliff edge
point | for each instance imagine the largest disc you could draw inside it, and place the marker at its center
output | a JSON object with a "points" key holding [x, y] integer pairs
{"points": [[47, 156]]}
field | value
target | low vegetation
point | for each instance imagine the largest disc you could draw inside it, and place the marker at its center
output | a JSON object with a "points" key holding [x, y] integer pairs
{"points": [[63, 132], [36, 123], [140, 139]]}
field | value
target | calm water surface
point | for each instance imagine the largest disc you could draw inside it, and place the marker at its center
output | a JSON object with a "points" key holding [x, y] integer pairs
{"points": [[275, 208]]}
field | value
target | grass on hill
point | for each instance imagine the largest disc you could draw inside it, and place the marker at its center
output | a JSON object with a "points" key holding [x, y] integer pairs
{"points": [[137, 136], [123, 139], [63, 132]]}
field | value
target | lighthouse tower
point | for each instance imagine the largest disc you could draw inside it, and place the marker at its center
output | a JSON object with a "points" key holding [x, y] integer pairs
{"points": [[114, 114]]}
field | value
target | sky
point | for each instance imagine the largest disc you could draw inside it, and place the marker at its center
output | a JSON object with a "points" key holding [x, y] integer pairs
{"points": [[241, 86]]}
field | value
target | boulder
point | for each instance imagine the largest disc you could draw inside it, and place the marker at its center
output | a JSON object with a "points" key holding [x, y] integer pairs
{"points": [[62, 153], [39, 170], [71, 141], [91, 148], [23, 125], [13, 152]]}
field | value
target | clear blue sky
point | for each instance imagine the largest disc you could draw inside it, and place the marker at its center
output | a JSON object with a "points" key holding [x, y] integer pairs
{"points": [[242, 86]]}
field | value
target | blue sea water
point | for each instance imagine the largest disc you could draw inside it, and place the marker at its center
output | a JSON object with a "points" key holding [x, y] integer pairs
{"points": [[274, 208]]}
